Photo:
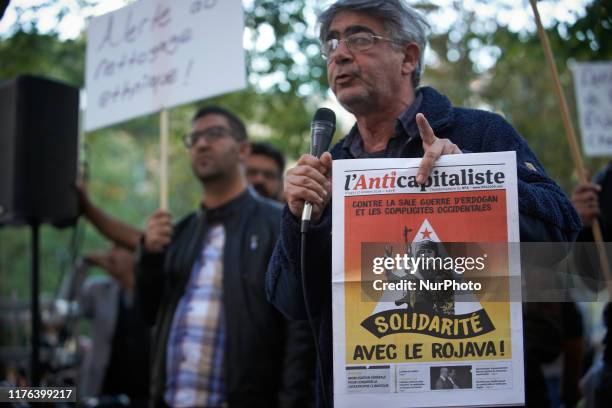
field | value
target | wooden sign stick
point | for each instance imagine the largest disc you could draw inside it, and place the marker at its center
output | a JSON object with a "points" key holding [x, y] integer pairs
{"points": [[573, 143], [163, 159]]}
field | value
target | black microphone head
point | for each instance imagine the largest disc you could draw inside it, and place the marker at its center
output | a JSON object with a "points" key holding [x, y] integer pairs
{"points": [[322, 130], [325, 114]]}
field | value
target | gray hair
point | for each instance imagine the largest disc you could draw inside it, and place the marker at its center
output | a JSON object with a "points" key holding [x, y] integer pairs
{"points": [[403, 23]]}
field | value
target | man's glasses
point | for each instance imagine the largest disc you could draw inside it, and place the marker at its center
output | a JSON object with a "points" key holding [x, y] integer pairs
{"points": [[211, 135], [358, 42]]}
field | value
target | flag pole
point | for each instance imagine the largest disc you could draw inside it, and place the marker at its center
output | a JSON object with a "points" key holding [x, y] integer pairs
{"points": [[573, 142]]}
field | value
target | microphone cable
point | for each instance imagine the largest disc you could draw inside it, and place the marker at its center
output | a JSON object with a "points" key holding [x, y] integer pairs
{"points": [[322, 131], [313, 328]]}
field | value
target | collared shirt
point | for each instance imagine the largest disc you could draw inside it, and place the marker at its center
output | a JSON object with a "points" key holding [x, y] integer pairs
{"points": [[194, 354], [406, 130]]}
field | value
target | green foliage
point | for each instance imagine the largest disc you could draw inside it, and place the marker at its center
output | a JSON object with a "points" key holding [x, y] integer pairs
{"points": [[294, 53], [44, 55], [287, 81], [520, 85]]}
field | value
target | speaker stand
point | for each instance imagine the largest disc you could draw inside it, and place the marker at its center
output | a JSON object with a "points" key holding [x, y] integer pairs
{"points": [[35, 308]]}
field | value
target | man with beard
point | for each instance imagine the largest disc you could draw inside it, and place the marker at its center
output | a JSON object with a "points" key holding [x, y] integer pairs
{"points": [[218, 342], [264, 170]]}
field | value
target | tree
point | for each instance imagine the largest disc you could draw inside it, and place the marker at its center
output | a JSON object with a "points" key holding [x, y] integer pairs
{"points": [[529, 101], [122, 160], [287, 81]]}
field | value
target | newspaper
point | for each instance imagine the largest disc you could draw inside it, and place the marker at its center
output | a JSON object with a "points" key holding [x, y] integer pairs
{"points": [[411, 326]]}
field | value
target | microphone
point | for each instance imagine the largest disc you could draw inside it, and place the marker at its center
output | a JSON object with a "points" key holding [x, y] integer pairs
{"points": [[322, 130]]}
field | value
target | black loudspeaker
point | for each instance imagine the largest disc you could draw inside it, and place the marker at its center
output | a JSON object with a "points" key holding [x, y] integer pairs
{"points": [[39, 121]]}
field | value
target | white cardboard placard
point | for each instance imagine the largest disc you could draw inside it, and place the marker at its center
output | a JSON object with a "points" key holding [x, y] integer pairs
{"points": [[593, 84], [156, 54]]}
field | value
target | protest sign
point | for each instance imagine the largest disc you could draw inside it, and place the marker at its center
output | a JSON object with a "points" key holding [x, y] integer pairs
{"points": [[411, 325], [153, 55], [593, 85]]}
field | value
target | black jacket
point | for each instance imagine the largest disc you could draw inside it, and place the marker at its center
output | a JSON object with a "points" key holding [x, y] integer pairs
{"points": [[267, 363]]}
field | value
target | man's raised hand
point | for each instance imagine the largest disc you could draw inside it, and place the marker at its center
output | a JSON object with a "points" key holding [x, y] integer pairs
{"points": [[586, 201], [159, 231], [433, 148]]}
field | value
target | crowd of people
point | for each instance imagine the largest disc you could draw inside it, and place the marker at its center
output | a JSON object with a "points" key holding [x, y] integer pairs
{"points": [[208, 310]]}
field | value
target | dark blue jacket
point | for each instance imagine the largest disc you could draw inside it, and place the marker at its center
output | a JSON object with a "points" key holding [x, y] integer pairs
{"points": [[545, 215]]}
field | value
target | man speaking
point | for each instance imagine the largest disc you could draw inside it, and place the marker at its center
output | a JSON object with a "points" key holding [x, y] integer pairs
{"points": [[374, 51]]}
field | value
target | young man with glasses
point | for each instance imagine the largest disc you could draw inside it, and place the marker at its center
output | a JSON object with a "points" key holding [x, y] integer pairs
{"points": [[374, 51], [218, 342]]}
